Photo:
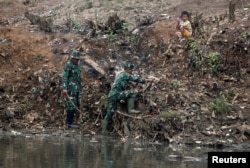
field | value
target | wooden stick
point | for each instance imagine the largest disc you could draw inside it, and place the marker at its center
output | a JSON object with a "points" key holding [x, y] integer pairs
{"points": [[138, 118], [235, 97], [74, 104], [97, 119]]}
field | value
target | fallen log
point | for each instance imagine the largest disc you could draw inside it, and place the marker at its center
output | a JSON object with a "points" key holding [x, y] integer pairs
{"points": [[94, 65]]}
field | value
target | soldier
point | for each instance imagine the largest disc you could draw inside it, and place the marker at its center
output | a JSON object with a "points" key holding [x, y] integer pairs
{"points": [[121, 91], [71, 79]]}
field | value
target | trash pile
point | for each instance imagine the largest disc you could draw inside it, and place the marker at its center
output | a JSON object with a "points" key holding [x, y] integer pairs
{"points": [[200, 95]]}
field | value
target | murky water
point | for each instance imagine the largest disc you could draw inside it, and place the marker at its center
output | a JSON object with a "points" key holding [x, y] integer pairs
{"points": [[98, 152]]}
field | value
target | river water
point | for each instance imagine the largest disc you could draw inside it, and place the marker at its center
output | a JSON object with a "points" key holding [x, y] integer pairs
{"points": [[94, 152]]}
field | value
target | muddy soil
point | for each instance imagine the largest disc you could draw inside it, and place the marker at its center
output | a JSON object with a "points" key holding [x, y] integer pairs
{"points": [[200, 97]]}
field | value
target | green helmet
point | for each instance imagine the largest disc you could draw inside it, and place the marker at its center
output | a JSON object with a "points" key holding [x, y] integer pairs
{"points": [[75, 54], [128, 65]]}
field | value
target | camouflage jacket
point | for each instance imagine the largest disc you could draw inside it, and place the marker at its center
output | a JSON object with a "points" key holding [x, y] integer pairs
{"points": [[121, 82], [71, 77]]}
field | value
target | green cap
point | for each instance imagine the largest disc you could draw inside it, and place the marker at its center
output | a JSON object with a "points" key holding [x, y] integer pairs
{"points": [[75, 54], [128, 65]]}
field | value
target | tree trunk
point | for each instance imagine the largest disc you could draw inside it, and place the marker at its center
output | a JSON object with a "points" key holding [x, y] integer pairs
{"points": [[231, 11]]}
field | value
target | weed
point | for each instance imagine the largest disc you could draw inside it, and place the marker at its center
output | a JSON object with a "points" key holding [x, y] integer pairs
{"points": [[125, 26], [195, 55], [133, 38], [214, 57], [220, 106], [230, 93], [38, 57], [112, 36], [89, 5], [213, 60], [176, 84], [201, 30], [125, 29], [192, 44], [197, 60], [76, 25], [245, 36]]}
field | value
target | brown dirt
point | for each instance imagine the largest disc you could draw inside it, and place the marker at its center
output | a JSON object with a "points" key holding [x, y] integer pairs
{"points": [[28, 55]]}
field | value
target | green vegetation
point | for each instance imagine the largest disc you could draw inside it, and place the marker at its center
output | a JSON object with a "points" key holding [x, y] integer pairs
{"points": [[38, 57], [230, 93], [199, 58], [192, 44], [245, 36], [194, 54], [112, 36], [89, 5], [125, 29], [213, 60], [76, 25], [133, 38], [220, 107], [125, 26], [176, 84]]}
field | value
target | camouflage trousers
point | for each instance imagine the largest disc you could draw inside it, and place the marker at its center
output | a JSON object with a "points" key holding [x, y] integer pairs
{"points": [[74, 97], [113, 100], [70, 108]]}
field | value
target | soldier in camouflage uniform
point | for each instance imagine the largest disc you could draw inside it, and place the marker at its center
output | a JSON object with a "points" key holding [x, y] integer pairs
{"points": [[71, 79], [120, 91]]}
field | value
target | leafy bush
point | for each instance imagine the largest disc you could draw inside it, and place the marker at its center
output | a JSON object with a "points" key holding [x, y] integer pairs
{"points": [[213, 60], [220, 106]]}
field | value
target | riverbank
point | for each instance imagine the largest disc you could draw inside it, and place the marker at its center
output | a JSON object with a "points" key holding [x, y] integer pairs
{"points": [[201, 96]]}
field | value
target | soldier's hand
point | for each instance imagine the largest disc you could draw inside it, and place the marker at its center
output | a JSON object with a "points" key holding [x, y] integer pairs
{"points": [[65, 92]]}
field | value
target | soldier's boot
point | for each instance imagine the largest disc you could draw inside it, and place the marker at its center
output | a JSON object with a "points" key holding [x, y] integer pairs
{"points": [[131, 105], [104, 126], [70, 119]]}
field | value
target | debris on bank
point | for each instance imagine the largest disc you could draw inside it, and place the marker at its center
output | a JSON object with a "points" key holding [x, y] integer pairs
{"points": [[200, 97]]}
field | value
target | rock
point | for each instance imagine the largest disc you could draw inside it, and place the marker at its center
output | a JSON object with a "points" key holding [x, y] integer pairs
{"points": [[135, 32], [9, 112]]}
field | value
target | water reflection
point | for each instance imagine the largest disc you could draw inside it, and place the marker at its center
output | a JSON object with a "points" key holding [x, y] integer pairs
{"points": [[99, 152]]}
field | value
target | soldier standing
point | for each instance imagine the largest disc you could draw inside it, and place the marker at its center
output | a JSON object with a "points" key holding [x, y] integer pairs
{"points": [[71, 79], [120, 91]]}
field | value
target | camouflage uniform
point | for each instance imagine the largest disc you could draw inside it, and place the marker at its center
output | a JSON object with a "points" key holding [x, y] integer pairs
{"points": [[71, 79], [120, 91]]}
